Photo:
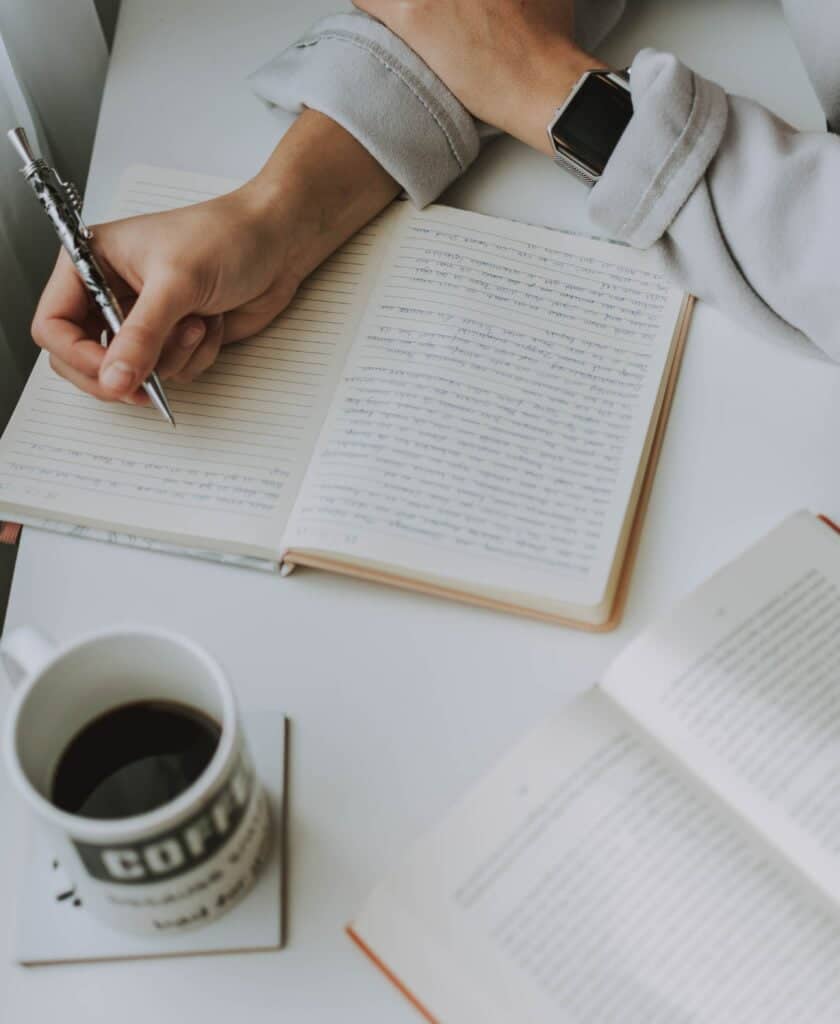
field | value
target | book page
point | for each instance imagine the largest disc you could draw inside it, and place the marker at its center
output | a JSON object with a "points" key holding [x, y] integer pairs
{"points": [[494, 411], [228, 474], [740, 683], [583, 881]]}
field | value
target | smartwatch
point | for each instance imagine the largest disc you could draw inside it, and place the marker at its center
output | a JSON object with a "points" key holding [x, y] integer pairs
{"points": [[586, 129]]}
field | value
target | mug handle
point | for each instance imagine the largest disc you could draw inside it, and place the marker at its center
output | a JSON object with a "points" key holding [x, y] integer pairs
{"points": [[24, 652]]}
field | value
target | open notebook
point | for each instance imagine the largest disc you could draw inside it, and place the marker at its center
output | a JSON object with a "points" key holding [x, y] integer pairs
{"points": [[453, 402], [665, 849]]}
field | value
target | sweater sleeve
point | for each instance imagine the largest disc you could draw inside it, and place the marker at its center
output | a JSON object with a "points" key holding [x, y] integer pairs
{"points": [[356, 71], [743, 209]]}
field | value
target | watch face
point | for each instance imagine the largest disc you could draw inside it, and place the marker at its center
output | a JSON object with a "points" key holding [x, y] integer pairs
{"points": [[593, 121]]}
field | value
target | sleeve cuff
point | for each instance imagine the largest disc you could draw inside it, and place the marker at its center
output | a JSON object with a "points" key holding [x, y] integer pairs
{"points": [[357, 72], [678, 122]]}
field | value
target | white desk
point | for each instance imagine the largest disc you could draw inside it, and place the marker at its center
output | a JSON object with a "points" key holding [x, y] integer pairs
{"points": [[399, 702]]}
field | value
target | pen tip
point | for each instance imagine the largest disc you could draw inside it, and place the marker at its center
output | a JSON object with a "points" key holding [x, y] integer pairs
{"points": [[153, 389]]}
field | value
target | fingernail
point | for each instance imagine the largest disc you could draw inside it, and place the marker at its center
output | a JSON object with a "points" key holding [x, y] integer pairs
{"points": [[192, 336], [118, 377]]}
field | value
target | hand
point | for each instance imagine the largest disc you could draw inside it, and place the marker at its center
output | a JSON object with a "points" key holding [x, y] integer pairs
{"points": [[510, 62], [205, 275], [200, 276]]}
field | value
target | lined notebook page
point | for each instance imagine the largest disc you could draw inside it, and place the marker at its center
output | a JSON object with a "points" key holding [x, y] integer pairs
{"points": [[494, 410], [229, 473]]}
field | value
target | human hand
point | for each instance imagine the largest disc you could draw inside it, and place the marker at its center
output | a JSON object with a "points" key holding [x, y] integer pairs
{"points": [[509, 62], [191, 280], [196, 278]]}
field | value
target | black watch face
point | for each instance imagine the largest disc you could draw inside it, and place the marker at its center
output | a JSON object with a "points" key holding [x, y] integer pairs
{"points": [[594, 120]]}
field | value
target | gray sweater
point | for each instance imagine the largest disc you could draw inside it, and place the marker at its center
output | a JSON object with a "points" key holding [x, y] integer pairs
{"points": [[743, 209]]}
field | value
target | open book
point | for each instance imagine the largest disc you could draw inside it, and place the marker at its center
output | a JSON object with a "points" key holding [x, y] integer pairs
{"points": [[665, 849], [452, 402]]}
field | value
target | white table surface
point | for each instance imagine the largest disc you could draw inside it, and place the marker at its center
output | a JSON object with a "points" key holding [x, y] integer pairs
{"points": [[399, 702]]}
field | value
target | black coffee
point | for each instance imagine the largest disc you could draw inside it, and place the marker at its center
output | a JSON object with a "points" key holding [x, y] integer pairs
{"points": [[133, 759]]}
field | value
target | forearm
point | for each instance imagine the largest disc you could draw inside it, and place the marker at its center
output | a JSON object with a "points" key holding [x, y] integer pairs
{"points": [[368, 80], [317, 189]]}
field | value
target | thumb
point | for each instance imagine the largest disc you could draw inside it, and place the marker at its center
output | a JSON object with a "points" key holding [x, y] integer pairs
{"points": [[135, 350]]}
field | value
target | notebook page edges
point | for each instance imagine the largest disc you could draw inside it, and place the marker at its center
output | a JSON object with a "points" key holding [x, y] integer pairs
{"points": [[739, 683], [490, 423], [584, 880], [227, 476]]}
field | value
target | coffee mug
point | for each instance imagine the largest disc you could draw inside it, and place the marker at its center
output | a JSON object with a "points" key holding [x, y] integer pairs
{"points": [[167, 869]]}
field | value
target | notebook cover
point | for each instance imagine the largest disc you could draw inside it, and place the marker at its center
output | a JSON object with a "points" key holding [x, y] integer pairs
{"points": [[630, 551]]}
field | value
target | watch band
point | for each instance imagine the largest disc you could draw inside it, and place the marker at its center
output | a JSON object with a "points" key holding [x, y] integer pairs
{"points": [[586, 128]]}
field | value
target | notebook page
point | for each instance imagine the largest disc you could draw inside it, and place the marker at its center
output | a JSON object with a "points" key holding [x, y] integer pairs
{"points": [[229, 473], [494, 410], [739, 682], [582, 880]]}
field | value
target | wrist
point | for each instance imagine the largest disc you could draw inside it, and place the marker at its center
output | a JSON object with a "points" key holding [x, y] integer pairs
{"points": [[319, 186], [554, 72]]}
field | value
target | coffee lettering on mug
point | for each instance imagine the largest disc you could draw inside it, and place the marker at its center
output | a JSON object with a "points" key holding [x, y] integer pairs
{"points": [[123, 865], [177, 850]]}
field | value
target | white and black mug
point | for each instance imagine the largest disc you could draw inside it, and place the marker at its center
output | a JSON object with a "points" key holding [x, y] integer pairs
{"points": [[173, 867]]}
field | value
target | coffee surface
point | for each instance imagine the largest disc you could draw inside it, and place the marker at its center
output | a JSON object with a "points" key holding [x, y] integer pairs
{"points": [[133, 759]]}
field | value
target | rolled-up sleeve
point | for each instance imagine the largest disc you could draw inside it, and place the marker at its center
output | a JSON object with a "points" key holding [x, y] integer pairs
{"points": [[678, 123], [354, 70], [743, 208]]}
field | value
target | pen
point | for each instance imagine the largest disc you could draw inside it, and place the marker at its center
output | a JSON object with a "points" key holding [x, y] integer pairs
{"points": [[62, 204]]}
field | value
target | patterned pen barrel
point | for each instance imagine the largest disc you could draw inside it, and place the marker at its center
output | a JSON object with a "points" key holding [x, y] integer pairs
{"points": [[62, 204]]}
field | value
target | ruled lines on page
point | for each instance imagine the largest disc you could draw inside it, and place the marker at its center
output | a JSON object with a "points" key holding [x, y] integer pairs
{"points": [[495, 406], [230, 471]]}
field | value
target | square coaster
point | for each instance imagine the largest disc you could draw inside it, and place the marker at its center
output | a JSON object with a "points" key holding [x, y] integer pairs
{"points": [[52, 926]]}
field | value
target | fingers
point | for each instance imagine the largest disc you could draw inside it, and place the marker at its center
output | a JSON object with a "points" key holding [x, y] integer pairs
{"points": [[183, 359], [60, 322], [90, 385], [241, 324], [206, 353], [135, 351], [182, 345], [64, 297], [63, 326], [160, 331]]}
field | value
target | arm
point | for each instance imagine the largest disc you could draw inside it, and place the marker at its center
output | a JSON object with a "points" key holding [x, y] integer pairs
{"points": [[744, 210], [216, 272], [363, 76]]}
